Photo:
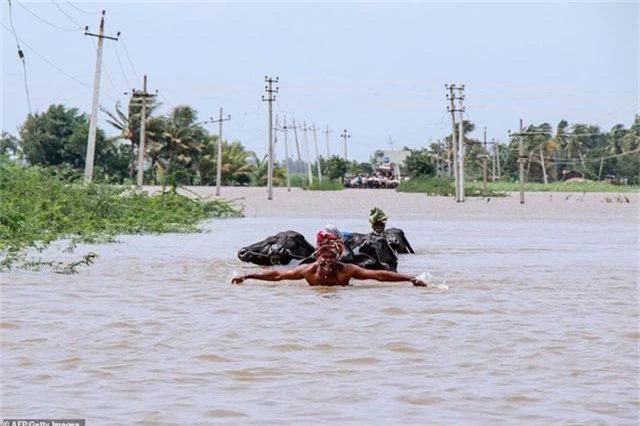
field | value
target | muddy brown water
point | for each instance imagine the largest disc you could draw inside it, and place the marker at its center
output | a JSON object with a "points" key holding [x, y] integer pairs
{"points": [[532, 318]]}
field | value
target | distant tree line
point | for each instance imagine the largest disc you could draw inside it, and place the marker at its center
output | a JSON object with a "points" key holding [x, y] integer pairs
{"points": [[178, 148], [550, 154], [181, 151]]}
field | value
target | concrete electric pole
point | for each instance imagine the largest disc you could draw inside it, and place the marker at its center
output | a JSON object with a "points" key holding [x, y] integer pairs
{"points": [[315, 142], [270, 97], [458, 152], [142, 97], [306, 143], [326, 132], [219, 159], [93, 122], [344, 136]]}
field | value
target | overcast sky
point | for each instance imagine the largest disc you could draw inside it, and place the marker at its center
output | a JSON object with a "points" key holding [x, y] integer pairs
{"points": [[377, 69]]}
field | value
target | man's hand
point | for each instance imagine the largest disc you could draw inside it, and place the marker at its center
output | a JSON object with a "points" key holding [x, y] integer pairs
{"points": [[418, 283], [237, 280]]}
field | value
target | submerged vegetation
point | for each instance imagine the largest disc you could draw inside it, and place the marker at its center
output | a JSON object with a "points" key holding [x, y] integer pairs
{"points": [[38, 207], [446, 187]]}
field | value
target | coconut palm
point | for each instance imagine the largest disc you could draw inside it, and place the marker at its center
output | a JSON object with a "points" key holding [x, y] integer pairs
{"points": [[179, 146], [235, 168], [128, 124]]}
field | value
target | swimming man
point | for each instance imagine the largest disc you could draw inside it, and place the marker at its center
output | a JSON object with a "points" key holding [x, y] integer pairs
{"points": [[327, 270]]}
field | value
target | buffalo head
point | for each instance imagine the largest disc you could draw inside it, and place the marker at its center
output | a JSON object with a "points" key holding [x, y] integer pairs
{"points": [[279, 249], [397, 240]]}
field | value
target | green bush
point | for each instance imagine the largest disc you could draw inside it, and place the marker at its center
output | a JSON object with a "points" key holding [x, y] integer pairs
{"points": [[326, 185], [430, 186], [38, 207]]}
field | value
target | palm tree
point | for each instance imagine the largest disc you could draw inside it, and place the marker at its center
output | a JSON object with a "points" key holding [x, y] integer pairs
{"points": [[614, 141], [180, 144], [631, 140], [235, 168], [539, 146], [128, 124], [576, 145]]}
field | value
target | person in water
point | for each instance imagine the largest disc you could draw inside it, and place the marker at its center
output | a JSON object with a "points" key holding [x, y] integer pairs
{"points": [[327, 270], [378, 220]]}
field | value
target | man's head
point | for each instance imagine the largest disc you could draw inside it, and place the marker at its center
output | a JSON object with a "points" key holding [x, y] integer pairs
{"points": [[328, 250], [327, 260], [378, 220]]}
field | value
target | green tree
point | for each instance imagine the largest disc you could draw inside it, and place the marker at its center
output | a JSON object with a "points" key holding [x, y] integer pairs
{"points": [[356, 168], [259, 173], [420, 163], [59, 136], [334, 168], [178, 149], [235, 169], [128, 125], [9, 145]]}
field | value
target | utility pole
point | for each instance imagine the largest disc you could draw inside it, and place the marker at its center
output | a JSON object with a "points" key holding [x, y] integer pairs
{"points": [[295, 134], [219, 157], [326, 132], [142, 96], [458, 152], [397, 168], [270, 97], [93, 122], [453, 151], [286, 154], [521, 157], [498, 158], [315, 140], [484, 164], [306, 143], [461, 147], [344, 136], [493, 165]]}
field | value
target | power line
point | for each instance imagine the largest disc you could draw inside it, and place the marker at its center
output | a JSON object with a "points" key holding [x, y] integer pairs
{"points": [[593, 159], [21, 56], [119, 61], [77, 80], [78, 9], [44, 20], [129, 58], [67, 15]]}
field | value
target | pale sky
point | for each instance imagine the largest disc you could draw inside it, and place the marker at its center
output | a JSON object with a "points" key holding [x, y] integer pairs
{"points": [[377, 69]]}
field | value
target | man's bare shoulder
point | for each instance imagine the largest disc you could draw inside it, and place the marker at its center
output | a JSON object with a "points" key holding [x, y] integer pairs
{"points": [[349, 268]]}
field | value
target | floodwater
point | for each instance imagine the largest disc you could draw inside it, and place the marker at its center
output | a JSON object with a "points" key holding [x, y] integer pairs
{"points": [[526, 322]]}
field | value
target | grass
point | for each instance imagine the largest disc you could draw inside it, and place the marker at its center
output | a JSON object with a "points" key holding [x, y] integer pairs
{"points": [[37, 208], [446, 187], [326, 185], [586, 186]]}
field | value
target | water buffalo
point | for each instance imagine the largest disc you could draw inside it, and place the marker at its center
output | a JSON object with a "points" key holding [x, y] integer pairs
{"points": [[279, 249], [369, 251], [397, 240], [372, 251]]}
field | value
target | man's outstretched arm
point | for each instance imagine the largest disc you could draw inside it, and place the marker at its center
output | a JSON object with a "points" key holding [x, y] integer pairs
{"points": [[386, 276], [273, 275]]}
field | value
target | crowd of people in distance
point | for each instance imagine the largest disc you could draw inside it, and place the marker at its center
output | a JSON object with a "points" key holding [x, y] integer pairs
{"points": [[366, 180]]}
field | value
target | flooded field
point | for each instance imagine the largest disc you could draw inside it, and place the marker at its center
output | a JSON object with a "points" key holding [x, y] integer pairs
{"points": [[532, 319]]}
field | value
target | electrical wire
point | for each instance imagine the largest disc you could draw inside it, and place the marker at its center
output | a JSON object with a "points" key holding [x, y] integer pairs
{"points": [[21, 56], [78, 9], [67, 15], [44, 20], [129, 58], [77, 80], [119, 61]]}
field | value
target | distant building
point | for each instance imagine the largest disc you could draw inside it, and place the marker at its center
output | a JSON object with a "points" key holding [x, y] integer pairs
{"points": [[389, 159]]}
